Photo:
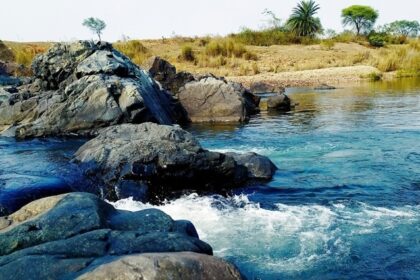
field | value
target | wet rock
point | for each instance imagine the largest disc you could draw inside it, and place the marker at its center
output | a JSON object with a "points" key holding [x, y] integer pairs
{"points": [[153, 161], [64, 235], [258, 167], [80, 87], [280, 102], [324, 87], [176, 266]]}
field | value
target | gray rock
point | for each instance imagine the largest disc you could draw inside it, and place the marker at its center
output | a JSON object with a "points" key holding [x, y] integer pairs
{"points": [[265, 87], [175, 266], [151, 162], [68, 235], [212, 99], [257, 166], [324, 87], [280, 102], [158, 159], [80, 87]]}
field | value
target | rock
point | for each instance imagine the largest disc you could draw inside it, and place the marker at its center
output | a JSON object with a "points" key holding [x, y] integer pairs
{"points": [[175, 266], [324, 87], [18, 190], [212, 99], [265, 87], [9, 81], [155, 160], [280, 102], [257, 166], [67, 235], [206, 98], [166, 74], [80, 87], [150, 162]]}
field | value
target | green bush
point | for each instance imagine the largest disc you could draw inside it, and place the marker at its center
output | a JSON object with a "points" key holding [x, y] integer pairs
{"points": [[269, 37], [378, 39], [187, 53]]}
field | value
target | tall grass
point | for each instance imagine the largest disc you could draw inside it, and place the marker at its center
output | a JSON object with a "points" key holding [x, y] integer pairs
{"points": [[270, 36], [400, 58], [134, 49], [228, 48]]}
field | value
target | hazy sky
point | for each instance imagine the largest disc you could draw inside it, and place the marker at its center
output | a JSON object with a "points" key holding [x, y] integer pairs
{"points": [[53, 20]]}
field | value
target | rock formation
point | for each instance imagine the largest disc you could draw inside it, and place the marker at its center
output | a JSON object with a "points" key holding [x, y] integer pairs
{"points": [[149, 160]]}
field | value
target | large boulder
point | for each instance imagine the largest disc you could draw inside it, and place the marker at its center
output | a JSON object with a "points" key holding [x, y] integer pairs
{"points": [[63, 236], [206, 98], [83, 86], [175, 266], [279, 102], [213, 99], [147, 161]]}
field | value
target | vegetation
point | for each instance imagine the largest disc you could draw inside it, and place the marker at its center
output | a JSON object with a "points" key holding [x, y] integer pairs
{"points": [[134, 49], [362, 18], [95, 25], [187, 53], [403, 28], [303, 21]]}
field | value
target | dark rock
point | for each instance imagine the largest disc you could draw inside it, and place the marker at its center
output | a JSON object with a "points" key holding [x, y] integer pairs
{"points": [[68, 235], [160, 161], [265, 87], [206, 98], [324, 87], [280, 102], [9, 81], [166, 74], [257, 166], [80, 87]]}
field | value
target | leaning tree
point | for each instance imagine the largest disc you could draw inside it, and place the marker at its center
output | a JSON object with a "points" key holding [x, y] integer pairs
{"points": [[95, 25], [362, 18]]}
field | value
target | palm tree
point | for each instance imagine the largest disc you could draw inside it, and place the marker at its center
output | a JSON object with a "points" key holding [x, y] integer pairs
{"points": [[302, 20]]}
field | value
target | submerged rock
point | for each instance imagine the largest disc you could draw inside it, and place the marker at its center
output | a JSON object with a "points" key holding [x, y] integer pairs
{"points": [[206, 98], [279, 102], [64, 236], [149, 160], [83, 86], [324, 87]]}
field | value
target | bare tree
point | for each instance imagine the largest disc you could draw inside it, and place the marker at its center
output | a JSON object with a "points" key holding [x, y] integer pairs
{"points": [[95, 25]]}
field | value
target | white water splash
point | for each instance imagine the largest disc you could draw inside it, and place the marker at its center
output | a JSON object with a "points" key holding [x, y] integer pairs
{"points": [[287, 238]]}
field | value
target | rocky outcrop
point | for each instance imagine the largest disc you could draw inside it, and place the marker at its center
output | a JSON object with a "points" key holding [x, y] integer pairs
{"points": [[279, 102], [83, 86], [166, 74], [175, 266], [76, 234], [212, 99], [150, 161], [206, 98], [265, 87]]}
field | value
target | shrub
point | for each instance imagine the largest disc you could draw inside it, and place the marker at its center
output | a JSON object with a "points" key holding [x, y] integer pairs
{"points": [[187, 53], [228, 48], [378, 39], [134, 49], [374, 76], [6, 53]]}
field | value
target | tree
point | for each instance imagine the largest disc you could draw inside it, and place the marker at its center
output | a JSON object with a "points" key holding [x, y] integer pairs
{"points": [[404, 28], [362, 18], [273, 21], [95, 25], [302, 21]]}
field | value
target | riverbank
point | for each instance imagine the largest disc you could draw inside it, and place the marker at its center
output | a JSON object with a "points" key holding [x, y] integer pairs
{"points": [[284, 65]]}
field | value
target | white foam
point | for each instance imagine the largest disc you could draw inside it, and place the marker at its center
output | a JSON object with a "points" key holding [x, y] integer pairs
{"points": [[288, 238]]}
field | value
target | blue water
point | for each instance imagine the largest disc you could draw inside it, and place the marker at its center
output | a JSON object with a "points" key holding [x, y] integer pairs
{"points": [[344, 203]]}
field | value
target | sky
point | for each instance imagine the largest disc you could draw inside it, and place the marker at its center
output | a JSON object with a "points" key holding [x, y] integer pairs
{"points": [[60, 20]]}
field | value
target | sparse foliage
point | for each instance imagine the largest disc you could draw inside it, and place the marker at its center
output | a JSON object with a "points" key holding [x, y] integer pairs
{"points": [[95, 25], [404, 28], [362, 18]]}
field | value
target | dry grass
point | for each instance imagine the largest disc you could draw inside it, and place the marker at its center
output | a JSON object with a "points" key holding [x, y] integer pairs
{"points": [[404, 58]]}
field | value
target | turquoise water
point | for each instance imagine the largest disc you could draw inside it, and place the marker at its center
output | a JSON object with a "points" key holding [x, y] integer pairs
{"points": [[344, 203]]}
